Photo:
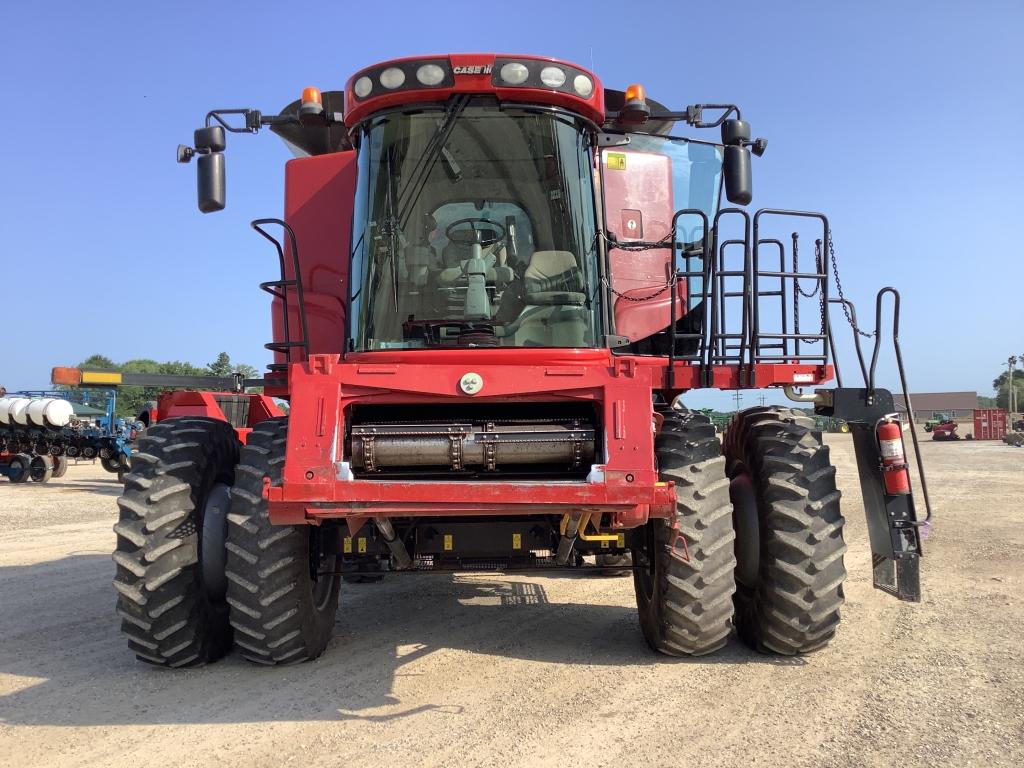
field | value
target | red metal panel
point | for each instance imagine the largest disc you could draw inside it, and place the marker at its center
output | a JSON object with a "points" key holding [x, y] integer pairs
{"points": [[187, 403], [639, 206], [319, 194], [626, 484], [989, 423]]}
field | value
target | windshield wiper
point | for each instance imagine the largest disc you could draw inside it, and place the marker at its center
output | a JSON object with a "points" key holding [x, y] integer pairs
{"points": [[395, 220], [435, 149], [389, 228]]}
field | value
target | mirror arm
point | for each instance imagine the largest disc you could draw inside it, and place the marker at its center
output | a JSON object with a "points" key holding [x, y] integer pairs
{"points": [[694, 115], [254, 119]]}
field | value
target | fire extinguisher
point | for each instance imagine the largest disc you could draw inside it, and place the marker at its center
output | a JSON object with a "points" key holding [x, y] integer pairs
{"points": [[894, 461]]}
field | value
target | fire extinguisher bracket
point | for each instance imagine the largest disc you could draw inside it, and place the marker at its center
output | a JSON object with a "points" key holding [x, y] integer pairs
{"points": [[893, 526]]}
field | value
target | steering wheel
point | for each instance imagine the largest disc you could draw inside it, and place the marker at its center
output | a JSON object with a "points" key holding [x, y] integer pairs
{"points": [[489, 234]]}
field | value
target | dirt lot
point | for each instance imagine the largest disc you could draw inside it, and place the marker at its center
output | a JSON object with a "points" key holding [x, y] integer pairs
{"points": [[485, 670]]}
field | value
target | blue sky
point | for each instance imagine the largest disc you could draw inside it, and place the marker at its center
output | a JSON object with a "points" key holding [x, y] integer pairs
{"points": [[900, 120]]}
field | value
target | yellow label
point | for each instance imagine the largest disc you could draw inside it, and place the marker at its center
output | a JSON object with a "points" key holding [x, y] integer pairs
{"points": [[622, 540], [448, 544], [362, 546], [100, 377], [347, 545], [517, 541], [616, 161]]}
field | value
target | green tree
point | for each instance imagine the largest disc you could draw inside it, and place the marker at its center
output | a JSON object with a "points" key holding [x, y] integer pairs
{"points": [[98, 363], [1002, 391], [223, 366]]}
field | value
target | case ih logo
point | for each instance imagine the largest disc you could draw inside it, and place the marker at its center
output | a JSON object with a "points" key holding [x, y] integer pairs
{"points": [[479, 69]]}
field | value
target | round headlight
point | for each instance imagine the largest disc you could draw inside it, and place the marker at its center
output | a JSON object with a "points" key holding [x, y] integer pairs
{"points": [[392, 77], [552, 77], [362, 87], [583, 85], [430, 74], [514, 73]]}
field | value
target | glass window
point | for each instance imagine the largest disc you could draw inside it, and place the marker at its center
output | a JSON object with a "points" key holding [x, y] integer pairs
{"points": [[696, 177], [475, 226]]}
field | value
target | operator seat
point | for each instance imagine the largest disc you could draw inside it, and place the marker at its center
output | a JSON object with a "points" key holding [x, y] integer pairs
{"points": [[555, 314]]}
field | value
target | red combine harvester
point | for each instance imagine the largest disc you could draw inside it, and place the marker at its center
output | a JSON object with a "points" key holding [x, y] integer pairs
{"points": [[497, 280]]}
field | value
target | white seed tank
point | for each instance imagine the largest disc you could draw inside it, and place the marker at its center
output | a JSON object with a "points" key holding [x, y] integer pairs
{"points": [[5, 409], [18, 411], [50, 412]]}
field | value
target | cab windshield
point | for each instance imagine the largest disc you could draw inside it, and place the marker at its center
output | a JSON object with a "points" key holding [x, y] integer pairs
{"points": [[474, 226]]}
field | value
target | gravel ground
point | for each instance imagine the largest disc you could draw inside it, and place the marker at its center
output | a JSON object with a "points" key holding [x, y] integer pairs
{"points": [[531, 670]]}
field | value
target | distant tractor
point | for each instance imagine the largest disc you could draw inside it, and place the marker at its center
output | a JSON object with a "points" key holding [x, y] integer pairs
{"points": [[937, 419], [497, 281], [944, 428]]}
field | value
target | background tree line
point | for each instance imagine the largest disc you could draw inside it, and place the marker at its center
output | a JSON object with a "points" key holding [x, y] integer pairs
{"points": [[1003, 392], [132, 400]]}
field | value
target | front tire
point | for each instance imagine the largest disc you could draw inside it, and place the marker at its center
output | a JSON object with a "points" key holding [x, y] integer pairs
{"points": [[684, 575], [282, 579], [790, 572], [169, 613], [19, 468]]}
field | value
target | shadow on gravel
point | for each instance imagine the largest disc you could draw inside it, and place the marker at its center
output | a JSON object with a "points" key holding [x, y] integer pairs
{"points": [[64, 662], [110, 488]]}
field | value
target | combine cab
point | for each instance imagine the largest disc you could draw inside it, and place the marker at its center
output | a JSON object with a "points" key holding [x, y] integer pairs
{"points": [[498, 280]]}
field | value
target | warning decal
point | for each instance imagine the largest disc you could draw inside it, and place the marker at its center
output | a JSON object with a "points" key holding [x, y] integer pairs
{"points": [[616, 161]]}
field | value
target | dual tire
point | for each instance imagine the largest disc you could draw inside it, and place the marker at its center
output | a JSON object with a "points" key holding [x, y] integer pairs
{"points": [[756, 541], [191, 514]]}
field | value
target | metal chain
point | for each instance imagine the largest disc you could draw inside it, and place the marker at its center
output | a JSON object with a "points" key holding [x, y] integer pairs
{"points": [[796, 270], [666, 241], [672, 281], [662, 243], [839, 290]]}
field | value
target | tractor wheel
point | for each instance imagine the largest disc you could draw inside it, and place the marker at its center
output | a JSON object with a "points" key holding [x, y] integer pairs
{"points": [[362, 578], [112, 465], [171, 595], [40, 469], [615, 565], [19, 468], [282, 579], [789, 532], [60, 466], [684, 574]]}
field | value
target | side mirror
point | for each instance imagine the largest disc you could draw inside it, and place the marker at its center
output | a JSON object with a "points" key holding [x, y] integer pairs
{"points": [[210, 138], [211, 184], [739, 179]]}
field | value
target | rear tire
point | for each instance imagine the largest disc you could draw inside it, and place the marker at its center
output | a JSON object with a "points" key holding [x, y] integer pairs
{"points": [[281, 612], [362, 578], [60, 466], [615, 565], [170, 615], [41, 469], [790, 588], [684, 593], [115, 464]]}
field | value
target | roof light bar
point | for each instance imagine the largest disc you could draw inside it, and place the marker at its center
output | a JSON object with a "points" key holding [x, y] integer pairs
{"points": [[530, 73], [398, 76]]}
